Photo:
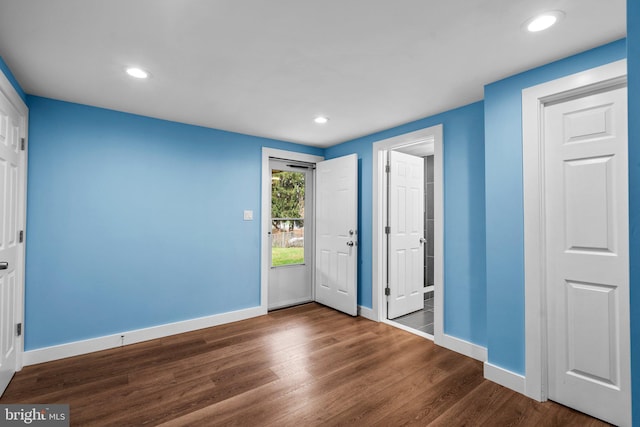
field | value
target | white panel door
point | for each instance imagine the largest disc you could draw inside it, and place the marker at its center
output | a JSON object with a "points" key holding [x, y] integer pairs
{"points": [[10, 135], [586, 186], [406, 236], [336, 233]]}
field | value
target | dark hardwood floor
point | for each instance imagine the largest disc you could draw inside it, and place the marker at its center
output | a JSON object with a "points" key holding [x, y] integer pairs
{"points": [[302, 366]]}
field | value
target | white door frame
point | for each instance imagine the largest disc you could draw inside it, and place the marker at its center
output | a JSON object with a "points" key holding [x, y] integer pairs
{"points": [[10, 93], [533, 102], [379, 267], [265, 215]]}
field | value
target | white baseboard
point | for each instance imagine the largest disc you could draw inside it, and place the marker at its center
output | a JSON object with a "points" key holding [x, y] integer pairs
{"points": [[76, 348], [367, 313], [503, 377], [461, 346]]}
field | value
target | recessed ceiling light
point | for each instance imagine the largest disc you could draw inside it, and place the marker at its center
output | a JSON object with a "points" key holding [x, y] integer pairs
{"points": [[138, 73], [321, 120], [544, 21]]}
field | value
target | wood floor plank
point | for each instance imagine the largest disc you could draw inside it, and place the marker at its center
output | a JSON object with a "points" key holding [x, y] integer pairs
{"points": [[472, 409], [306, 365], [422, 403]]}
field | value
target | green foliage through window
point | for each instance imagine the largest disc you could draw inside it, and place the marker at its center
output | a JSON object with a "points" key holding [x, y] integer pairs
{"points": [[287, 198], [287, 217]]}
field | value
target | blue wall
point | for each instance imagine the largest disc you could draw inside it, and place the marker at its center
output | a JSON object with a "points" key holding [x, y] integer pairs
{"points": [[135, 222], [118, 202], [633, 69], [504, 200], [4, 69], [464, 237]]}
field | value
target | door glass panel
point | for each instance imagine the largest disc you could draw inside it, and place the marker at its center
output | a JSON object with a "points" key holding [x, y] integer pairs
{"points": [[287, 217]]}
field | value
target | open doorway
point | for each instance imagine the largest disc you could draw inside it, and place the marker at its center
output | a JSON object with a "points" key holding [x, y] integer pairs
{"points": [[407, 221], [291, 263], [325, 226], [274, 163]]}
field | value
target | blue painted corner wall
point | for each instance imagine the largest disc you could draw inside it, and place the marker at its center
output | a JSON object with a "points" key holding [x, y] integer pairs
{"points": [[136, 222], [504, 201], [633, 70], [464, 229], [484, 230]]}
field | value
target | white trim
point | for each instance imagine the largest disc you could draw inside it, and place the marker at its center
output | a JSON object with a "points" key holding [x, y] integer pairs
{"points": [[533, 100], [367, 313], [76, 348], [379, 214], [461, 346], [265, 212], [12, 96], [438, 235], [503, 377]]}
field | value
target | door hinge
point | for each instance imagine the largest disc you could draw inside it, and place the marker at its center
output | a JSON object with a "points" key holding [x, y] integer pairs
{"points": [[387, 291], [21, 236], [19, 329], [387, 168], [387, 230], [22, 144]]}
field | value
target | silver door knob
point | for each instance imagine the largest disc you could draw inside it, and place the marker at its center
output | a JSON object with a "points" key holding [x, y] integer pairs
{"points": [[422, 240], [350, 243], [4, 265]]}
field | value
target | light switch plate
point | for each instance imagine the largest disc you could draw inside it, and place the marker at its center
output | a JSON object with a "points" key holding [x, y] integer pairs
{"points": [[248, 215]]}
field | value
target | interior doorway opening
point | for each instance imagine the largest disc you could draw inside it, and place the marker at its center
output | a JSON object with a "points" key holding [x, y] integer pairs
{"points": [[407, 238]]}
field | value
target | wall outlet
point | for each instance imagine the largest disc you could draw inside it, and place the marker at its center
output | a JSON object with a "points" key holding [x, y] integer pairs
{"points": [[248, 215]]}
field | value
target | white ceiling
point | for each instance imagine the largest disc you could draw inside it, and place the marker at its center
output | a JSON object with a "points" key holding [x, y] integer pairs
{"points": [[267, 68], [421, 149]]}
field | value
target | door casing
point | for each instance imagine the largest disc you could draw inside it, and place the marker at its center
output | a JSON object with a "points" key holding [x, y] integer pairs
{"points": [[379, 267], [533, 101]]}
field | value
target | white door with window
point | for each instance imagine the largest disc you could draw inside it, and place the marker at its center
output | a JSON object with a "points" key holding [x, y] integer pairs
{"points": [[406, 234], [291, 255], [337, 233], [11, 260], [587, 247]]}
